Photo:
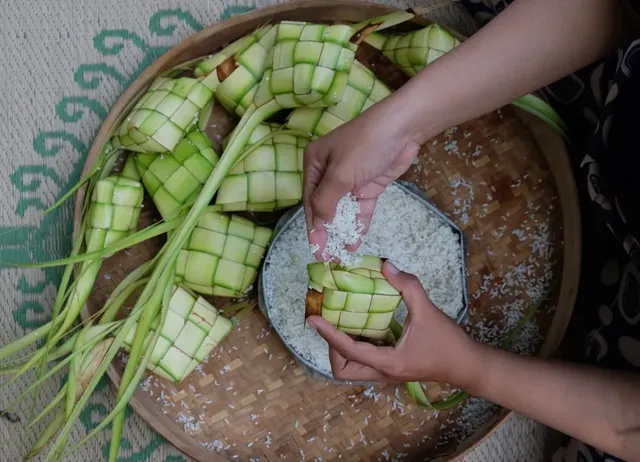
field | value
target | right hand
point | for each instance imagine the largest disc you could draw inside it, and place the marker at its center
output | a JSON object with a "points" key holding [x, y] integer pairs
{"points": [[432, 347], [363, 157]]}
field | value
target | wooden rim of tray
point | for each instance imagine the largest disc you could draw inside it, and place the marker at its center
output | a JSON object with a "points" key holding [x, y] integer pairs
{"points": [[550, 144]]}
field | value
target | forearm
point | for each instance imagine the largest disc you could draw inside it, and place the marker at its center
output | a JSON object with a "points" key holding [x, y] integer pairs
{"points": [[529, 45], [597, 406]]}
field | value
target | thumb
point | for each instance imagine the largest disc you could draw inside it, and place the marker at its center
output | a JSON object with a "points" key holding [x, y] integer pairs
{"points": [[361, 352], [409, 286]]}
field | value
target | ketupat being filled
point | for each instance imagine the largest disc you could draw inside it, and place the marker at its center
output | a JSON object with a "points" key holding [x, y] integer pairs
{"points": [[357, 298]]}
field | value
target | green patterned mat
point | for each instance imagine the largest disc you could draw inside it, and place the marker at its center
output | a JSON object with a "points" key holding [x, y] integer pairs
{"points": [[64, 64]]}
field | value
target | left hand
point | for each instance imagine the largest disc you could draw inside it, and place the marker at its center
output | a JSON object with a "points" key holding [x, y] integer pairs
{"points": [[432, 346]]}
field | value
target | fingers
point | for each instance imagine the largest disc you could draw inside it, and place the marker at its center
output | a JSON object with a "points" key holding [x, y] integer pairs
{"points": [[344, 369], [322, 208], [364, 353], [325, 198], [313, 169], [367, 197], [322, 189], [410, 288]]}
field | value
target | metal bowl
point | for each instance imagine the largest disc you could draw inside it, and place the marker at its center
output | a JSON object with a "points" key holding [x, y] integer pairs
{"points": [[291, 215]]}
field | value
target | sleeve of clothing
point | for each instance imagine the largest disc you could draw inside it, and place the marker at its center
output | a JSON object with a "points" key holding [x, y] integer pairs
{"points": [[487, 6], [633, 8], [485, 10], [633, 5]]}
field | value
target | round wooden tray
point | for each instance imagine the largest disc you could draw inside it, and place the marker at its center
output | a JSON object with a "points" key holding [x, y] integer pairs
{"points": [[504, 179]]}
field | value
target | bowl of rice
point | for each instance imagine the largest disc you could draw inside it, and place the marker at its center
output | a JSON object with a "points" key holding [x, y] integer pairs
{"points": [[406, 228]]}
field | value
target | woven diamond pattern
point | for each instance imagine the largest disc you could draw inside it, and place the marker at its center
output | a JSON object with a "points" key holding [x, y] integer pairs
{"points": [[114, 211], [164, 114], [357, 299], [308, 65], [235, 91], [413, 51], [363, 90], [192, 329], [174, 179], [267, 179], [222, 255]]}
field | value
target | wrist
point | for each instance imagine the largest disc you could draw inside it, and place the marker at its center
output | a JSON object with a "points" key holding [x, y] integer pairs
{"points": [[414, 111], [469, 362]]}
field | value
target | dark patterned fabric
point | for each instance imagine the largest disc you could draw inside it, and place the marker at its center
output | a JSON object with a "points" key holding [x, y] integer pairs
{"points": [[600, 106]]}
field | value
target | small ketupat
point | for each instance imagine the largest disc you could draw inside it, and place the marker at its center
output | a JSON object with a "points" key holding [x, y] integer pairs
{"points": [[415, 50], [363, 90], [222, 255], [174, 180], [357, 299], [164, 115], [268, 178], [233, 74], [192, 329]]}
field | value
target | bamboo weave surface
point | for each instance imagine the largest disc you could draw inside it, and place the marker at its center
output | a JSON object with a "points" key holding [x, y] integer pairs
{"points": [[252, 400]]}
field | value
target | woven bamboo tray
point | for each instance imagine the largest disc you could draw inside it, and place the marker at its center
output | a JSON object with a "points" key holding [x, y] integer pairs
{"points": [[504, 179]]}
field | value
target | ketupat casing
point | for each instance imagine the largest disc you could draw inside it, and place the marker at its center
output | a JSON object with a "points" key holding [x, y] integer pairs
{"points": [[308, 65], [192, 329], [363, 90], [114, 211], [222, 255], [269, 178], [357, 299], [174, 180], [168, 110], [234, 73], [414, 50]]}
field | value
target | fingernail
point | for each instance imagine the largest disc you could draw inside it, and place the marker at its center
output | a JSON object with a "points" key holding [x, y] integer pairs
{"points": [[392, 268], [311, 324]]}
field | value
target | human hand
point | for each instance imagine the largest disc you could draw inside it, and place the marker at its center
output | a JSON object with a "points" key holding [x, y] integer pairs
{"points": [[363, 157], [432, 346]]}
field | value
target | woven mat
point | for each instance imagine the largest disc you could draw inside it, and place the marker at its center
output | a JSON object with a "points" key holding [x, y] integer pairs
{"points": [[64, 64]]}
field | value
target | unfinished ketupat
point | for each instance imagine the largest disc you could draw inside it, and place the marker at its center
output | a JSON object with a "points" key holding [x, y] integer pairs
{"points": [[357, 299]]}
